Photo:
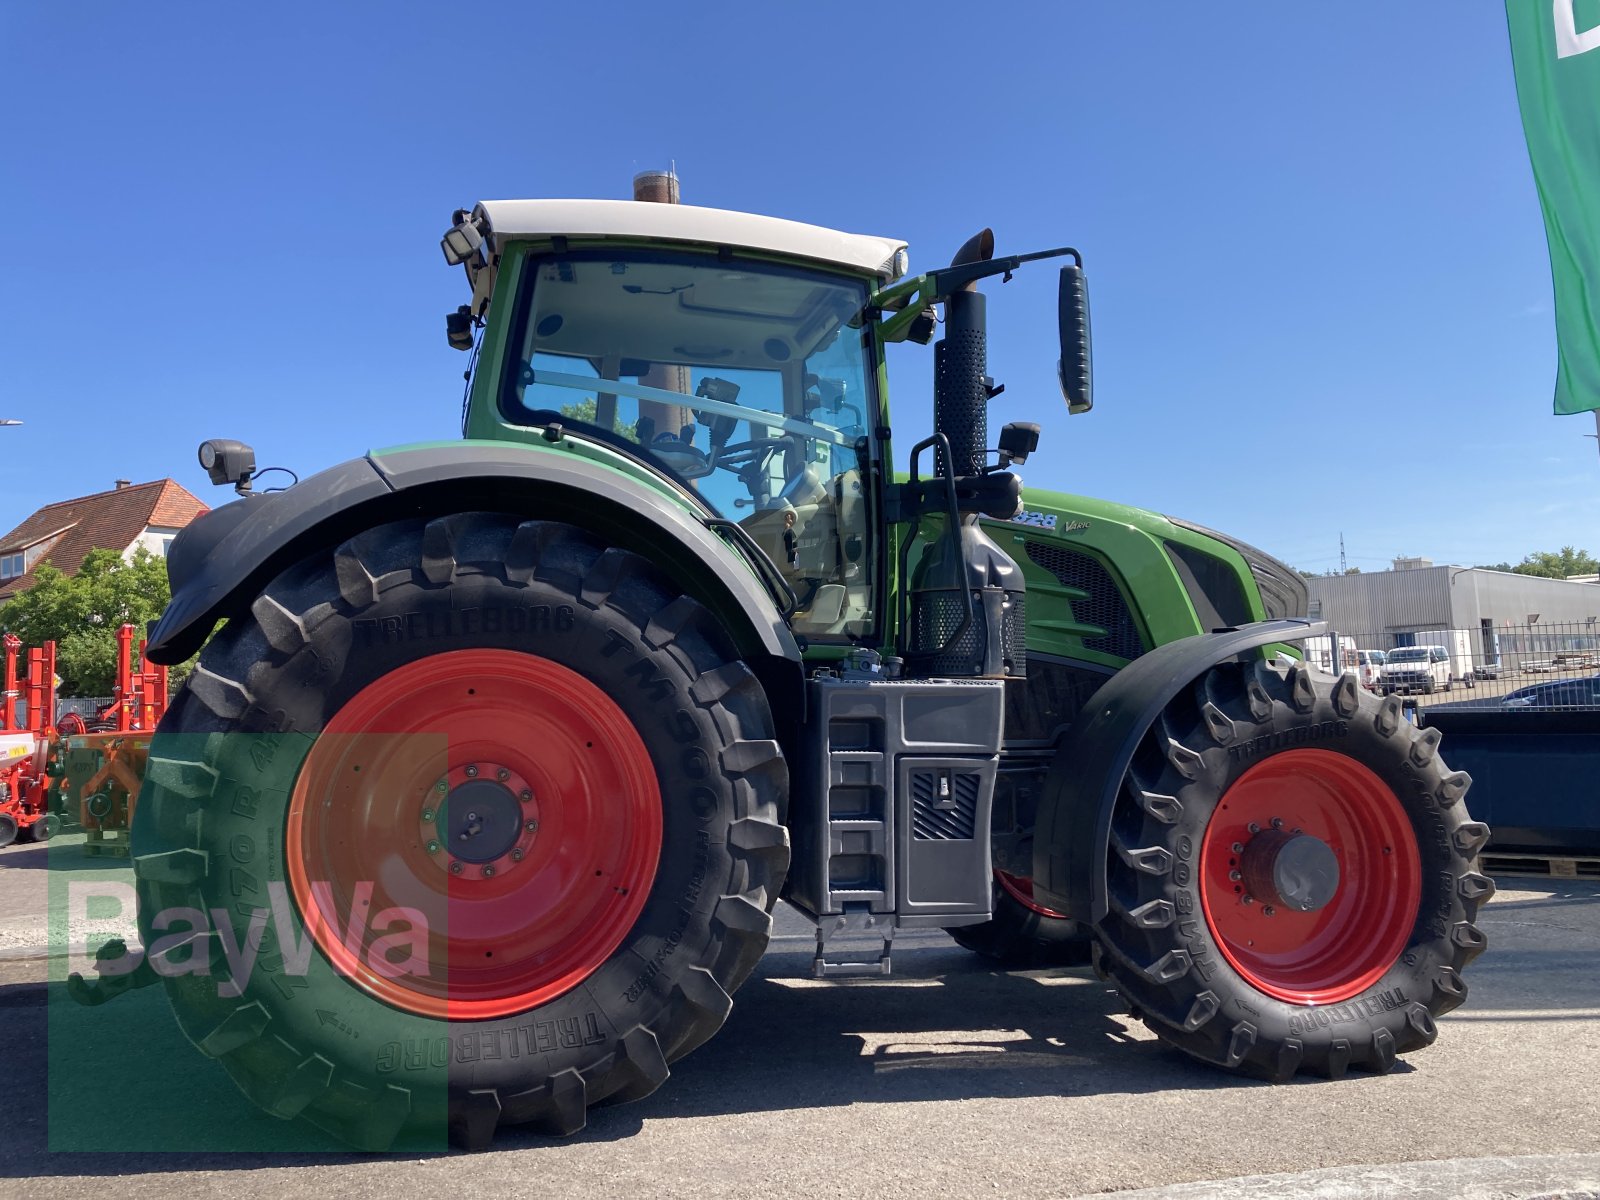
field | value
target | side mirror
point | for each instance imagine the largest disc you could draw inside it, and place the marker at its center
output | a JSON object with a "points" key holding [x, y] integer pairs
{"points": [[458, 328], [1075, 366]]}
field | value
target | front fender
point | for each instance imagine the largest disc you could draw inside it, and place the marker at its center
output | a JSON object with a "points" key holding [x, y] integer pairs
{"points": [[1093, 755], [220, 563]]}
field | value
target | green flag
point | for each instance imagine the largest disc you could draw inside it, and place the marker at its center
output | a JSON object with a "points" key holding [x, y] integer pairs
{"points": [[1555, 54]]}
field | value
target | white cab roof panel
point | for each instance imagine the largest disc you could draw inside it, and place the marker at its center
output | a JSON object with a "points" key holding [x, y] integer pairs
{"points": [[514, 219]]}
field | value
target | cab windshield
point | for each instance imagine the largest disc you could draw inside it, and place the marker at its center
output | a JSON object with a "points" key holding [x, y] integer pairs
{"points": [[749, 382]]}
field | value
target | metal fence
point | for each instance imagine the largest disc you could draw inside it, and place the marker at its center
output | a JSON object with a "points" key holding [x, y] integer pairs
{"points": [[1532, 668]]}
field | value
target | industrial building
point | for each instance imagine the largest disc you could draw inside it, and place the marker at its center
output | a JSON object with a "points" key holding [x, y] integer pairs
{"points": [[1511, 619]]}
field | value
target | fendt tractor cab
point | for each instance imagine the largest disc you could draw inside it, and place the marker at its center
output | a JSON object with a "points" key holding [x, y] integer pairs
{"points": [[508, 747]]}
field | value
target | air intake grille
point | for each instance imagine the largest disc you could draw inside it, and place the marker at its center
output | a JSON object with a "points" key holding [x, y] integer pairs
{"points": [[935, 616], [943, 816], [1105, 606]]}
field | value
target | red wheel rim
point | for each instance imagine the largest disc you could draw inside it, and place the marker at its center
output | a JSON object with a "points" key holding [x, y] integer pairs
{"points": [[1020, 889], [1344, 947], [520, 905]]}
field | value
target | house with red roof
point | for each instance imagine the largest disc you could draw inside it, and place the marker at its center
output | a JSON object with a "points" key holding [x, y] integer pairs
{"points": [[127, 517]]}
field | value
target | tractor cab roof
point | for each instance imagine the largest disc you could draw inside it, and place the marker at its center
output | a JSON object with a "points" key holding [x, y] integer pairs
{"points": [[639, 221]]}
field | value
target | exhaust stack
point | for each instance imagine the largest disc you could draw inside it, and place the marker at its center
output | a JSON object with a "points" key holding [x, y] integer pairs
{"points": [[961, 366], [967, 603]]}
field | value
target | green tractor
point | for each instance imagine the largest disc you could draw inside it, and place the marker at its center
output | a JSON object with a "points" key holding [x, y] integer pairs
{"points": [[506, 748]]}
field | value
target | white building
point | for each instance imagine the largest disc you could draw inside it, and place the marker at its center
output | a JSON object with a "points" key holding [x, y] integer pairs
{"points": [[1510, 617]]}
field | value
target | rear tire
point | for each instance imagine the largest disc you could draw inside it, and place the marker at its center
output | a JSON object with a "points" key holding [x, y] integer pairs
{"points": [[1352, 982], [375, 640], [1024, 935]]}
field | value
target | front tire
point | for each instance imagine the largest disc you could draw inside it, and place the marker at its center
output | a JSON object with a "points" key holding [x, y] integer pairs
{"points": [[1244, 763], [548, 763]]}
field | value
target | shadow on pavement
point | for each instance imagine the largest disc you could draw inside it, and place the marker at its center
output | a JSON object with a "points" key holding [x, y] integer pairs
{"points": [[943, 1029], [122, 1081], [64, 853]]}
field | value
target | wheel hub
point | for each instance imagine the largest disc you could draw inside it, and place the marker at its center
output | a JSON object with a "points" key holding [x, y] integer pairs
{"points": [[480, 820], [1292, 869]]}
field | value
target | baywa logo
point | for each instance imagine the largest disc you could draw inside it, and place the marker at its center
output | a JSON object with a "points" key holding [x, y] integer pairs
{"points": [[1570, 41], [392, 944]]}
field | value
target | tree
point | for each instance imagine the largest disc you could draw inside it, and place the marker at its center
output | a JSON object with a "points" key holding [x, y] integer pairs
{"points": [[1558, 565], [82, 613]]}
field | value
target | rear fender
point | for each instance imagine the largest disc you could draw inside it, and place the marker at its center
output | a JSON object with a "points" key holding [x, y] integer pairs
{"points": [[221, 562], [1093, 755]]}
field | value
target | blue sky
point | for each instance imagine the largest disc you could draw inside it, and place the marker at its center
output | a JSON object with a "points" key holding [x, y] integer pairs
{"points": [[1321, 291]]}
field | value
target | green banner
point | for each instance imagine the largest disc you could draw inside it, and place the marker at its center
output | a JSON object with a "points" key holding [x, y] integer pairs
{"points": [[1555, 52]]}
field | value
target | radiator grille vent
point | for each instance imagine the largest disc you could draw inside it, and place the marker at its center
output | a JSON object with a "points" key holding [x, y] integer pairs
{"points": [[1105, 606]]}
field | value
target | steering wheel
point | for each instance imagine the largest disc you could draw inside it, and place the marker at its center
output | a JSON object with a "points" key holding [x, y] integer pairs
{"points": [[748, 460], [741, 457]]}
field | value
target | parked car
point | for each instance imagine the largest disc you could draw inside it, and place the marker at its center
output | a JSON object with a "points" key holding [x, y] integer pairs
{"points": [[1416, 669], [1489, 670], [1370, 668], [1556, 693]]}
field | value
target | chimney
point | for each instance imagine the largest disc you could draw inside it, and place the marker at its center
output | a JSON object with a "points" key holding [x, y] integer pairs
{"points": [[658, 187], [657, 419], [122, 483]]}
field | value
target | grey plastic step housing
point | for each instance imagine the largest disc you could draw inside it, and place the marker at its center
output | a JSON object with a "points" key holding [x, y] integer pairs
{"points": [[890, 812]]}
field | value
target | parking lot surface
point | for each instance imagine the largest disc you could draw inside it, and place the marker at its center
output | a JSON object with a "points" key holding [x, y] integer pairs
{"points": [[947, 1078]]}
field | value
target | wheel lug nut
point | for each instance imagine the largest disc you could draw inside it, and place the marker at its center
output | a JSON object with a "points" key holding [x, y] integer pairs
{"points": [[1269, 911], [427, 814], [472, 772], [455, 868], [433, 846], [443, 785], [527, 796], [516, 854], [1254, 828], [1235, 876], [502, 774], [1238, 847], [1277, 822], [531, 826], [1249, 899], [488, 872]]}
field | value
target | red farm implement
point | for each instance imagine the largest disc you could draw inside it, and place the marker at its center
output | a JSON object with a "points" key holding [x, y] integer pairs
{"points": [[27, 746], [103, 757], [75, 770]]}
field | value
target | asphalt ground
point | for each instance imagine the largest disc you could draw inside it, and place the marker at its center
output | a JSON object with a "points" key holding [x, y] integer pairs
{"points": [[947, 1078]]}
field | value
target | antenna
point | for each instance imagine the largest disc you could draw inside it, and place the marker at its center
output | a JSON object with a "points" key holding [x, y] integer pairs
{"points": [[1342, 567]]}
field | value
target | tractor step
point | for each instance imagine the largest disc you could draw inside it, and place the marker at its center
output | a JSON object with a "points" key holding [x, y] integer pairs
{"points": [[1541, 866], [879, 924]]}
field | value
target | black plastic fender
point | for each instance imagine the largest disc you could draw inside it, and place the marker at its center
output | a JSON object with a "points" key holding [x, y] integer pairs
{"points": [[1093, 755], [220, 563]]}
